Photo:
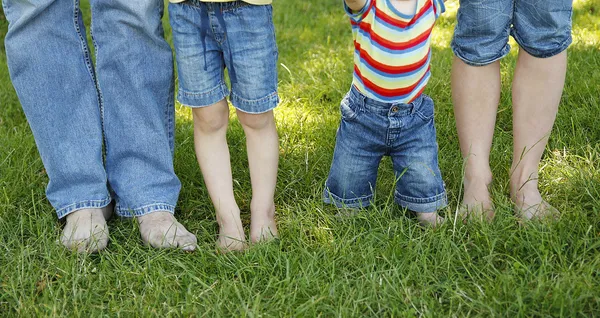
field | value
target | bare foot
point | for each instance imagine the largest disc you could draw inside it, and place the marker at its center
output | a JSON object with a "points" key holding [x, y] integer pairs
{"points": [[161, 230], [430, 219], [477, 202], [529, 204], [86, 231], [231, 233], [263, 226]]}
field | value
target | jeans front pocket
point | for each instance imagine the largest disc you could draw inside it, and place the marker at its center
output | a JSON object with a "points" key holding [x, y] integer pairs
{"points": [[424, 108], [348, 108]]}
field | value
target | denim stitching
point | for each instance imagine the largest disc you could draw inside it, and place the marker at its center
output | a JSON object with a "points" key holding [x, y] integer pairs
{"points": [[64, 211]]}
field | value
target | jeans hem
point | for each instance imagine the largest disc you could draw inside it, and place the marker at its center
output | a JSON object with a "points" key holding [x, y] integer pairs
{"points": [[87, 204], [504, 52], [208, 98], [361, 202], [143, 210], [255, 106], [543, 54], [422, 205]]}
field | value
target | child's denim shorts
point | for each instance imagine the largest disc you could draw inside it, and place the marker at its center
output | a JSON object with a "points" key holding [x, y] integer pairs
{"points": [[370, 130], [211, 36], [541, 28]]}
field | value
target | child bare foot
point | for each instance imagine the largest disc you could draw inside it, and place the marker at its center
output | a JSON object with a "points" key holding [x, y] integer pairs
{"points": [[477, 202], [86, 230], [263, 226], [161, 230], [231, 233], [529, 205], [430, 219]]}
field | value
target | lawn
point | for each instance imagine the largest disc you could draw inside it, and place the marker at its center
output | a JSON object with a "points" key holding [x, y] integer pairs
{"points": [[379, 263]]}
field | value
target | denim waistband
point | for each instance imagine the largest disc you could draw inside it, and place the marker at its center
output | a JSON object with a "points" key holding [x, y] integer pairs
{"points": [[223, 6], [385, 108]]}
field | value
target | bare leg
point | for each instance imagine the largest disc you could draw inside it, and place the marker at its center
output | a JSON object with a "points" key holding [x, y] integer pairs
{"points": [[536, 93], [210, 129], [86, 230], [476, 94], [262, 143]]}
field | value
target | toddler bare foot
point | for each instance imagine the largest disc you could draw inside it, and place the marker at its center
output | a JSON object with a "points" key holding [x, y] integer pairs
{"points": [[263, 226], [430, 219], [161, 230], [231, 233], [477, 202], [86, 230]]}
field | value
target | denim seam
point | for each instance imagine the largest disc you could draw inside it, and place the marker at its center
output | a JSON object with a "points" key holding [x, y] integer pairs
{"points": [[87, 204], [209, 92], [255, 101], [143, 210]]}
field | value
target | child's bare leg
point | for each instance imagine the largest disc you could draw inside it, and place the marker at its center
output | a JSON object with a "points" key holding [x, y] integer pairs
{"points": [[476, 94], [432, 219], [262, 143], [537, 89], [212, 152]]}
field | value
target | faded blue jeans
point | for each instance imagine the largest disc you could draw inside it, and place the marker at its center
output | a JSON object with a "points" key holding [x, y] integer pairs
{"points": [[103, 131]]}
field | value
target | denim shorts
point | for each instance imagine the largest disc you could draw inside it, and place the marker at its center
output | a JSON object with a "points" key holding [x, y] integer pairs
{"points": [[541, 28], [371, 129], [212, 36]]}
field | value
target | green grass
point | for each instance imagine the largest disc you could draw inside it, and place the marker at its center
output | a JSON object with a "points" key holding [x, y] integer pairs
{"points": [[377, 264]]}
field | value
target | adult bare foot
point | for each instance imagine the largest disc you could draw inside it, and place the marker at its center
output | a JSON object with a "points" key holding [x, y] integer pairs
{"points": [[161, 230], [86, 231], [263, 226]]}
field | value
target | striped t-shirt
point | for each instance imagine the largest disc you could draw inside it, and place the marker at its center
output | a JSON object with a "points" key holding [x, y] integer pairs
{"points": [[392, 49]]}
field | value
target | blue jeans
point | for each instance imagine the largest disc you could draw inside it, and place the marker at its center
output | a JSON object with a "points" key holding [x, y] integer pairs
{"points": [[237, 35], [370, 130], [541, 28], [104, 131]]}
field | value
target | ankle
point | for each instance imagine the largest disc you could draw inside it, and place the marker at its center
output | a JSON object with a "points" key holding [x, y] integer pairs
{"points": [[266, 210], [478, 176], [523, 183]]}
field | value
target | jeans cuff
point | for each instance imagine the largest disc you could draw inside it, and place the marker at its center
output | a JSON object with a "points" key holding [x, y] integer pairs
{"points": [[540, 53], [88, 204], [143, 210], [485, 62], [255, 106], [210, 97], [422, 205], [360, 202]]}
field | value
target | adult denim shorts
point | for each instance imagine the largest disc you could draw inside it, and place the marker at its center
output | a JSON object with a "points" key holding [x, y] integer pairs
{"points": [[541, 28], [371, 129], [211, 36]]}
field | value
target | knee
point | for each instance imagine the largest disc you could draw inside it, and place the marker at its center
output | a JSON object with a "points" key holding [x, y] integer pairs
{"points": [[256, 121], [208, 123]]}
